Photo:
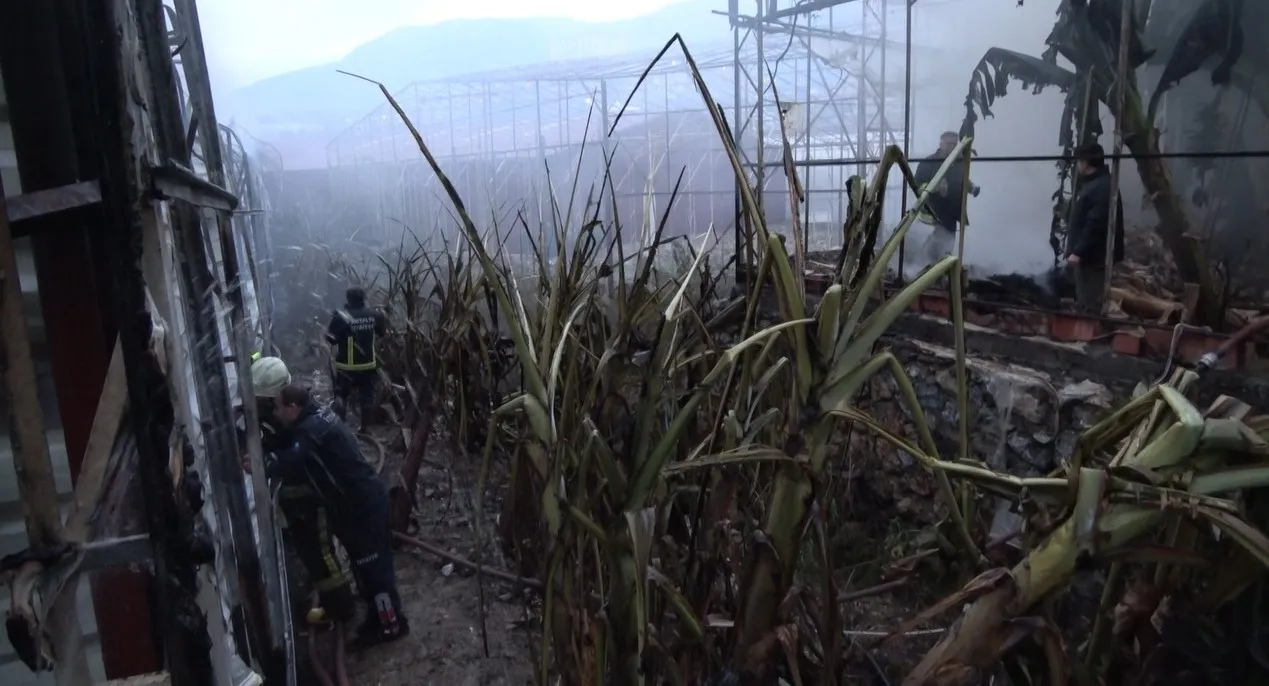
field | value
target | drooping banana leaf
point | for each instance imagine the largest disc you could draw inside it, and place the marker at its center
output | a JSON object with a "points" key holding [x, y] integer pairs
{"points": [[990, 81], [1214, 31], [1103, 18]]}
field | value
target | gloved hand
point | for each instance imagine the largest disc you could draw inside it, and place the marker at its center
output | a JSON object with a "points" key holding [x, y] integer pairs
{"points": [[974, 190]]}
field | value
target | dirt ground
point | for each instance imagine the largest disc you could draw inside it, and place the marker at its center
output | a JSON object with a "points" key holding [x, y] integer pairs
{"points": [[442, 600]]}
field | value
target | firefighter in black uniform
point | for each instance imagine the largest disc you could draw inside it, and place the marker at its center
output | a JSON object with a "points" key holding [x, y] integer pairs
{"points": [[325, 454], [353, 333], [304, 514]]}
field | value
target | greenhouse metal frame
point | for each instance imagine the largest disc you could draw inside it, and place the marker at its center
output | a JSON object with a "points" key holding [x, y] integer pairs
{"points": [[822, 62]]}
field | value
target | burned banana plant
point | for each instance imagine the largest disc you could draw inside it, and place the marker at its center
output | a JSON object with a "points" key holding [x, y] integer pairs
{"points": [[638, 412], [1155, 473], [1075, 38], [668, 448]]}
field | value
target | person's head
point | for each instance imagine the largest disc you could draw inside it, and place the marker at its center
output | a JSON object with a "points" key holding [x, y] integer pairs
{"points": [[355, 297], [290, 403], [947, 141], [1089, 158], [268, 376]]}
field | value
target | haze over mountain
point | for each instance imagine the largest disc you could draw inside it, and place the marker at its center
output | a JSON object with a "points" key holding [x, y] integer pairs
{"points": [[301, 111]]}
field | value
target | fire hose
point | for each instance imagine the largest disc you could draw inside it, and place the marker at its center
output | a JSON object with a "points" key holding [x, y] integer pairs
{"points": [[316, 617], [1210, 359], [1252, 328], [315, 622]]}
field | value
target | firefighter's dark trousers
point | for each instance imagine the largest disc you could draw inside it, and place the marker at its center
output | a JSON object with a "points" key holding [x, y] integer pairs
{"points": [[367, 536], [309, 530], [355, 387]]}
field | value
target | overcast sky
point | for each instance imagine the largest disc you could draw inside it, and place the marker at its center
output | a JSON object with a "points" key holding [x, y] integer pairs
{"points": [[248, 40]]}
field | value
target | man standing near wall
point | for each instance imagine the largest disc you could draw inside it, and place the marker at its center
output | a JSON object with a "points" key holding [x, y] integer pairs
{"points": [[326, 455], [1090, 221], [305, 514], [945, 207]]}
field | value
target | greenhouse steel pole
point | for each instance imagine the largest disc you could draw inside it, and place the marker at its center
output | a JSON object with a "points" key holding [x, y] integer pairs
{"points": [[611, 212], [760, 172], [264, 554], [741, 236], [907, 114], [1121, 96]]}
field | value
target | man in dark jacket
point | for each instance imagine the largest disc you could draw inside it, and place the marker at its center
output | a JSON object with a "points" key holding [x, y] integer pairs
{"points": [[325, 454], [944, 209], [304, 513], [1090, 222], [354, 335]]}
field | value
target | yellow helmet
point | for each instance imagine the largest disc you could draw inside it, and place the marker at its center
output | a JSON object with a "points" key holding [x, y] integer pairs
{"points": [[268, 376]]}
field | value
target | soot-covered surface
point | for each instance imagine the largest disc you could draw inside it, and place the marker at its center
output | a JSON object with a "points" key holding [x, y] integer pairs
{"points": [[445, 646], [1046, 291]]}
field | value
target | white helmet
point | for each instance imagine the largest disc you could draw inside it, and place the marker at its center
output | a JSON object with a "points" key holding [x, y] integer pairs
{"points": [[268, 376]]}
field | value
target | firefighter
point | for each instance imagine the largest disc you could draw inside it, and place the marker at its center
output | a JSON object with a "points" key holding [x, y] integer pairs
{"points": [[305, 516], [325, 454], [353, 334]]}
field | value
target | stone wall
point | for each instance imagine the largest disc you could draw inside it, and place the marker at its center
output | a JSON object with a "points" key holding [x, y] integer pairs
{"points": [[1025, 422]]}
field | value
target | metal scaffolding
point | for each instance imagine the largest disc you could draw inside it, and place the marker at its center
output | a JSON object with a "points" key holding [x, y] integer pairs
{"points": [[144, 221], [846, 48], [497, 133]]}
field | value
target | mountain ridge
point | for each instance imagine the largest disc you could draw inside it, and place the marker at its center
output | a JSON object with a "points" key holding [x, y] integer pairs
{"points": [[307, 107]]}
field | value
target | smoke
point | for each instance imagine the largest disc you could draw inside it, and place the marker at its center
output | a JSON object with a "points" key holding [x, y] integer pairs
{"points": [[1008, 230]]}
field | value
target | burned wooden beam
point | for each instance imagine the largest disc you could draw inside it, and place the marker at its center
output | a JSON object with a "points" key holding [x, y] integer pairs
{"points": [[269, 592], [46, 202], [120, 32], [175, 181], [36, 485], [92, 475], [43, 52], [37, 489], [53, 570]]}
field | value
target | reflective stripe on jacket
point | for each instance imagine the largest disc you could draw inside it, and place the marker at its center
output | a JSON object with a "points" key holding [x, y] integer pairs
{"points": [[354, 333]]}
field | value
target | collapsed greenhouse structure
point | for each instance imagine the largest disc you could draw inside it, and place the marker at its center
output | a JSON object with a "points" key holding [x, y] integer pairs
{"points": [[134, 243], [840, 81], [181, 578], [822, 89], [500, 133]]}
